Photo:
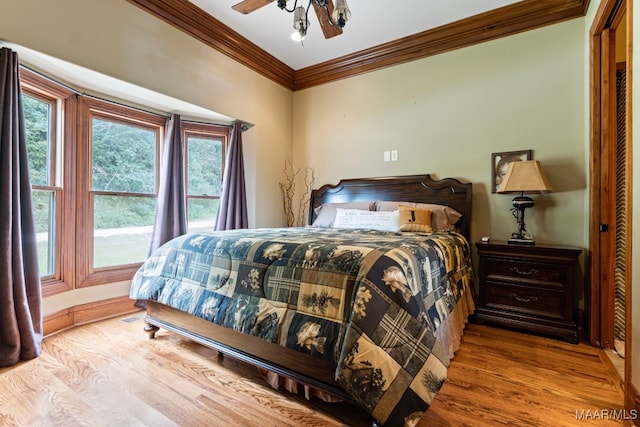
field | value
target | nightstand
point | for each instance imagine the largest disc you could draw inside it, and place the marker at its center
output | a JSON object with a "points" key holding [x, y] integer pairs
{"points": [[528, 287]]}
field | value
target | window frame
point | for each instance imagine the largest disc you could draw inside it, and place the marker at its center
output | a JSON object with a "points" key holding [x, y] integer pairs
{"points": [[88, 108], [63, 102], [202, 130]]}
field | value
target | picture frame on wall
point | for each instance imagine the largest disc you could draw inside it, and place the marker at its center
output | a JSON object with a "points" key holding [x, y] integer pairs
{"points": [[500, 164]]}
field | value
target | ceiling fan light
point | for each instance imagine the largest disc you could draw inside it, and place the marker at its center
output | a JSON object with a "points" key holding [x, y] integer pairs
{"points": [[341, 13], [300, 21], [297, 37]]}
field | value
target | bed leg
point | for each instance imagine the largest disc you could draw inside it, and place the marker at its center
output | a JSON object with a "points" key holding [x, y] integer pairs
{"points": [[151, 330], [220, 356]]}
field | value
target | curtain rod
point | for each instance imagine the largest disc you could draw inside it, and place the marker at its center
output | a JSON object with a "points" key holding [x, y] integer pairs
{"points": [[44, 76], [245, 126], [196, 122], [88, 95], [122, 104]]}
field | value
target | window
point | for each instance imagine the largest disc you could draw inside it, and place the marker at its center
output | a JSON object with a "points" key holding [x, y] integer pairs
{"points": [[39, 127], [48, 109], [205, 150], [95, 167], [123, 170], [120, 147]]}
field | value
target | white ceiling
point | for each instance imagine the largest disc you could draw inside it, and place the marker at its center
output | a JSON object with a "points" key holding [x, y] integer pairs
{"points": [[372, 22]]}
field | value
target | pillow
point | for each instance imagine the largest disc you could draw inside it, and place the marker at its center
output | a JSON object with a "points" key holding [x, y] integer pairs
{"points": [[443, 218], [372, 220], [326, 213], [414, 219]]}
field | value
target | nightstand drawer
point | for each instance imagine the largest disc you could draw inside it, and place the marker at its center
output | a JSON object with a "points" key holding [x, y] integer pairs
{"points": [[528, 287], [523, 270], [523, 299]]}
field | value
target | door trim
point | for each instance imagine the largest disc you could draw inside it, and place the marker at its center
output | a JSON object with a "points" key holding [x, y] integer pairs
{"points": [[602, 74]]}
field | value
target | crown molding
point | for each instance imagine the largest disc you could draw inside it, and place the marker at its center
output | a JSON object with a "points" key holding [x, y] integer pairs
{"points": [[505, 21], [194, 21]]}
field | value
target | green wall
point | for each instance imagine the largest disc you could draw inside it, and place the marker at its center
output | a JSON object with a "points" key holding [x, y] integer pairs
{"points": [[447, 114]]}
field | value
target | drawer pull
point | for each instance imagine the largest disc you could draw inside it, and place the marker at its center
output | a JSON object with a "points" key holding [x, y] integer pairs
{"points": [[525, 273], [521, 299]]}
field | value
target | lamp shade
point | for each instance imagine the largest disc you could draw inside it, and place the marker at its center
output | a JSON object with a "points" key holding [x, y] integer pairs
{"points": [[524, 177]]}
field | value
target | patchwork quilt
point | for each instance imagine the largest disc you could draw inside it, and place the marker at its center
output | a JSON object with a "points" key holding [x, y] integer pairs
{"points": [[367, 300]]}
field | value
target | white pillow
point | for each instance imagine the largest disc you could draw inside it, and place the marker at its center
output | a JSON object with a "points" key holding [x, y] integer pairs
{"points": [[326, 213], [373, 220]]}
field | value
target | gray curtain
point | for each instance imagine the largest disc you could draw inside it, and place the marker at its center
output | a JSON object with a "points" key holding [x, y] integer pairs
{"points": [[20, 294], [232, 213], [171, 210]]}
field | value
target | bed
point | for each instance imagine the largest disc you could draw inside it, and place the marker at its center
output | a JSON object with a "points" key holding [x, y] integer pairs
{"points": [[369, 316]]}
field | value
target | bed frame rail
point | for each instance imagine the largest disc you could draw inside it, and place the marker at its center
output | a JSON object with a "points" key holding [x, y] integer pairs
{"points": [[284, 361]]}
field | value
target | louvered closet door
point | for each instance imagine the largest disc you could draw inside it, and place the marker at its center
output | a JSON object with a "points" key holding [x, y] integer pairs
{"points": [[621, 207]]}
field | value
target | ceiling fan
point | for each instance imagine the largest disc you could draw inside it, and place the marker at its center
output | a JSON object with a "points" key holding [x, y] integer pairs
{"points": [[332, 19]]}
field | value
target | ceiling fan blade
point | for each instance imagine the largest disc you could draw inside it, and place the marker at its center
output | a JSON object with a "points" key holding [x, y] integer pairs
{"points": [[248, 6], [327, 29]]}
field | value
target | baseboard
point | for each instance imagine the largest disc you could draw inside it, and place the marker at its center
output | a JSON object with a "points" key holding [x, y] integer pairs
{"points": [[86, 313], [613, 372], [57, 321]]}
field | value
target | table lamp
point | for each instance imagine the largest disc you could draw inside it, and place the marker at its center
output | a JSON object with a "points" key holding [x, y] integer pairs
{"points": [[524, 177]]}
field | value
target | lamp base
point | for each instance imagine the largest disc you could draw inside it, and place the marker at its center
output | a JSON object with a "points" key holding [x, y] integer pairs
{"points": [[523, 241]]}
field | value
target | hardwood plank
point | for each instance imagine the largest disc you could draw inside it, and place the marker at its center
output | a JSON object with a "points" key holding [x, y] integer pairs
{"points": [[85, 370], [502, 377], [109, 373]]}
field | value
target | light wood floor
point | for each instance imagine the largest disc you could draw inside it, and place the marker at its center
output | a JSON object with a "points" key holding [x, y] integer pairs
{"points": [[110, 374]]}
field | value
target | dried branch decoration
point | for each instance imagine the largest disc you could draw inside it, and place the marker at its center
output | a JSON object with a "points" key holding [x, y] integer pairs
{"points": [[288, 189], [303, 207]]}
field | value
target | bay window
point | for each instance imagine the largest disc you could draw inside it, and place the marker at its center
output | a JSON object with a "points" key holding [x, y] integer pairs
{"points": [[94, 169]]}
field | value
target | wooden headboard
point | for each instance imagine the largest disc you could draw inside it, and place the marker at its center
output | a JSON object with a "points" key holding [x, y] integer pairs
{"points": [[412, 188]]}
